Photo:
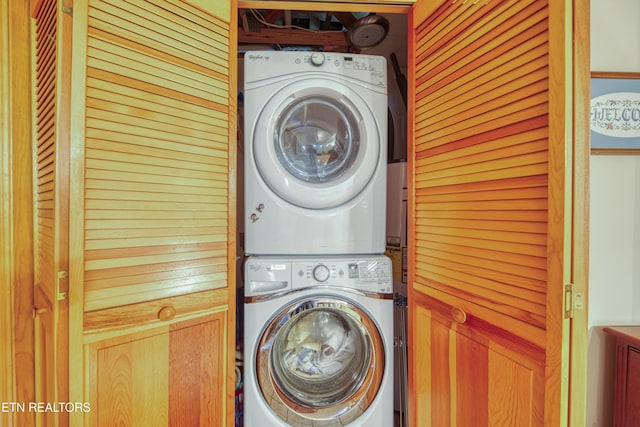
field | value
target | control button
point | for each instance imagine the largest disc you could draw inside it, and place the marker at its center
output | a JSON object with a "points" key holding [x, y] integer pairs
{"points": [[321, 273], [317, 58]]}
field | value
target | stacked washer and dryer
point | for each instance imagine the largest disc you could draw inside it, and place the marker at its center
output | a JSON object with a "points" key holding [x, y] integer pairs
{"points": [[318, 306]]}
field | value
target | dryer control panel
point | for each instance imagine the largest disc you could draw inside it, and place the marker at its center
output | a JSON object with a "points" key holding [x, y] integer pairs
{"points": [[371, 69], [265, 275]]}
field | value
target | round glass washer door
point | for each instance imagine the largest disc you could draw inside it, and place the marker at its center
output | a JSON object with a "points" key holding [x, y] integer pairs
{"points": [[316, 143], [320, 361]]}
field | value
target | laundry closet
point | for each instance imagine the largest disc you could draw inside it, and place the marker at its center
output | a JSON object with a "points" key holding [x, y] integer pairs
{"points": [[137, 233], [483, 171], [322, 126]]}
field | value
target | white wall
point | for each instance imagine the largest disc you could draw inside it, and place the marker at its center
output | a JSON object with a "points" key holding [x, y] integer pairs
{"points": [[615, 244], [615, 35], [614, 277]]}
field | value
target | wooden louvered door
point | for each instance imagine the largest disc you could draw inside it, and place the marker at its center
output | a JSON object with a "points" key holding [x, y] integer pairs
{"points": [[52, 27], [491, 186], [152, 234]]}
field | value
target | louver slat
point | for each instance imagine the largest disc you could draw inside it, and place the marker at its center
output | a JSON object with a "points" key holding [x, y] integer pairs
{"points": [[482, 162], [156, 153]]}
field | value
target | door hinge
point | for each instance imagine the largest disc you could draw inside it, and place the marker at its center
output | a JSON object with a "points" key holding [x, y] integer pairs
{"points": [[572, 300], [61, 295], [67, 9]]}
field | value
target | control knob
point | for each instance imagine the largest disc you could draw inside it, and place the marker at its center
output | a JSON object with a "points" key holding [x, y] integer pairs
{"points": [[321, 273], [317, 58]]}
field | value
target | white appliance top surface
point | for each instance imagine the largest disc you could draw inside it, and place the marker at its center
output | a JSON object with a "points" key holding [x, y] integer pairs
{"points": [[260, 65]]}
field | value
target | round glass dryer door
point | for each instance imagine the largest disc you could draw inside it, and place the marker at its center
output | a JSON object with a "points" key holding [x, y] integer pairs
{"points": [[316, 144], [321, 360], [316, 139]]}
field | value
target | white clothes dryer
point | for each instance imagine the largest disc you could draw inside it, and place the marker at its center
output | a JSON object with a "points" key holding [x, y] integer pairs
{"points": [[315, 153], [318, 342]]}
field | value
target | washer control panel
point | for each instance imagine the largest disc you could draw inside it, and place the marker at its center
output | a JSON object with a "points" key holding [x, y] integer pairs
{"points": [[265, 275], [367, 274]]}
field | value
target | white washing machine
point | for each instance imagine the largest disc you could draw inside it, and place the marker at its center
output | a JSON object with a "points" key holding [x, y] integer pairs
{"points": [[315, 153], [318, 342]]}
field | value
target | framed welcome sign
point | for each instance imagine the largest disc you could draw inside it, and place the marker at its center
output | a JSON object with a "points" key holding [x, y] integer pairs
{"points": [[615, 113]]}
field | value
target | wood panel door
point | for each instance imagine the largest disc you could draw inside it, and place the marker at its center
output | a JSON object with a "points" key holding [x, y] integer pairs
{"points": [[152, 203], [52, 28], [492, 193], [171, 375]]}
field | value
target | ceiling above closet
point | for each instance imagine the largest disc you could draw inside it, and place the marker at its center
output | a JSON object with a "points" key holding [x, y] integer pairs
{"points": [[329, 31]]}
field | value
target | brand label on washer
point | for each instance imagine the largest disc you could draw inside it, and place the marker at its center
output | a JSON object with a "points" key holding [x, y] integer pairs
{"points": [[257, 57]]}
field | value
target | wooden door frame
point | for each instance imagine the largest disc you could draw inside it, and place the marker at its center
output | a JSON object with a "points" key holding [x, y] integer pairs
{"points": [[16, 234], [580, 237], [569, 150]]}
